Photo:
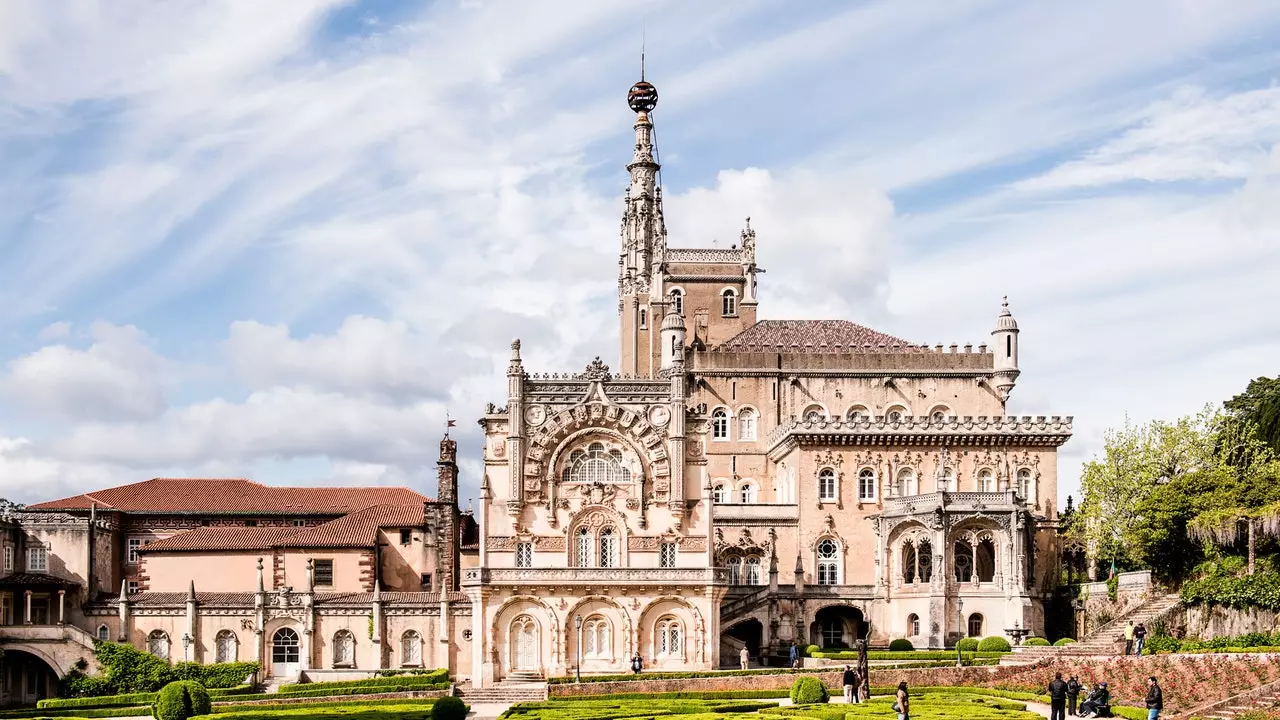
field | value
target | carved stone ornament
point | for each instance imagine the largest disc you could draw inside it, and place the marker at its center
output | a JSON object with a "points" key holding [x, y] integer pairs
{"points": [[535, 415], [693, 449], [659, 416], [829, 459], [596, 370]]}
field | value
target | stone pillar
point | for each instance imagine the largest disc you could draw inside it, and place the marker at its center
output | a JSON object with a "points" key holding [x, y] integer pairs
{"points": [[124, 612], [482, 666], [515, 431], [444, 638], [379, 655], [260, 622], [62, 607], [676, 435], [189, 651], [26, 618]]}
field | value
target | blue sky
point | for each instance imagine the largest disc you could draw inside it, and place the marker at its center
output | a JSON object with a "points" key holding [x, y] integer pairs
{"points": [[281, 239]]}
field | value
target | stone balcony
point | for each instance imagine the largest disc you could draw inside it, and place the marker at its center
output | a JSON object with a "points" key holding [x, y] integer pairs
{"points": [[952, 501], [604, 577], [757, 513]]}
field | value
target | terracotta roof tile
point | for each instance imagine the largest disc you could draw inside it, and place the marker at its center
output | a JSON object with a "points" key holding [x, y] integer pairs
{"points": [[359, 529], [222, 538], [813, 333], [212, 496], [228, 599], [245, 599]]}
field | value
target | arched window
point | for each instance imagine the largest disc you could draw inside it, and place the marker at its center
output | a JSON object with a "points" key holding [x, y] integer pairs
{"points": [[913, 625], [597, 639], [908, 562], [747, 424], [677, 300], [720, 494], [828, 488], [828, 562], [668, 637], [907, 484], [1026, 488], [986, 481], [747, 493], [963, 552], [753, 571], [344, 649], [158, 644], [225, 647], [728, 303], [735, 570], [582, 547], [720, 424], [897, 414], [608, 548], [104, 634], [975, 625], [984, 560], [917, 561], [285, 649], [866, 484], [949, 480], [596, 464], [814, 413], [858, 413], [939, 414], [410, 649], [644, 319]]}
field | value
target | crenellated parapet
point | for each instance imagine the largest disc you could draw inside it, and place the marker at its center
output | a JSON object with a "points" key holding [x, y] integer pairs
{"points": [[1041, 430]]}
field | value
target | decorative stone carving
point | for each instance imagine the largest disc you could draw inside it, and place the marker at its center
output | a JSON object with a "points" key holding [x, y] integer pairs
{"points": [[596, 370], [535, 415], [659, 416]]}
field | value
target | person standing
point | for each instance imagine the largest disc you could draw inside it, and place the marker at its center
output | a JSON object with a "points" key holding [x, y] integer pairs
{"points": [[637, 664], [850, 681], [1057, 698], [902, 702], [795, 656], [1128, 638], [1155, 698], [1139, 639], [857, 686], [1073, 694], [745, 657]]}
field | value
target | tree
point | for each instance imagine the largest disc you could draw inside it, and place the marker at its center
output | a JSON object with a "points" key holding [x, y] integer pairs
{"points": [[1248, 500], [1259, 404]]}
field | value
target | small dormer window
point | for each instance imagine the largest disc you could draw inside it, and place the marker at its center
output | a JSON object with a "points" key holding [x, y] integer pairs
{"points": [[728, 303]]}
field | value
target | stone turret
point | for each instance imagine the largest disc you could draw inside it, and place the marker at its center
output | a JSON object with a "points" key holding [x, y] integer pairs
{"points": [[1005, 342], [673, 334]]}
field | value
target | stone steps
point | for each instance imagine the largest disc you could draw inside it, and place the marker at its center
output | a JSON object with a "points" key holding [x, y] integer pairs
{"points": [[503, 693]]}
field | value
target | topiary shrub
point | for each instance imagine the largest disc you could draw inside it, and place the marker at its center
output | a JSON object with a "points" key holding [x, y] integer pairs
{"points": [[448, 708], [808, 690], [968, 644], [995, 643], [180, 700], [901, 644], [1063, 642], [809, 650], [1036, 642]]}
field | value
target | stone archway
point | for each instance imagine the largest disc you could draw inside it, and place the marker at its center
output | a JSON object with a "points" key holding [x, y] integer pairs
{"points": [[751, 632], [28, 675], [837, 627]]}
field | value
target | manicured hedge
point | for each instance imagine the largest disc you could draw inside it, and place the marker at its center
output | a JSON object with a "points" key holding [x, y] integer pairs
{"points": [[240, 707], [969, 644], [910, 655], [347, 711], [1061, 642], [363, 690], [434, 677], [808, 690], [900, 645], [1035, 642], [449, 708], [182, 699], [111, 712], [995, 643], [131, 699], [126, 669]]}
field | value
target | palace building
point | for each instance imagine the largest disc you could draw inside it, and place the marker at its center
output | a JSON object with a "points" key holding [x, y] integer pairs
{"points": [[730, 482]]}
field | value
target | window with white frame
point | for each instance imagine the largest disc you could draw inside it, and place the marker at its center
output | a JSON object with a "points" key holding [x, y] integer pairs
{"points": [[897, 414], [37, 560], [1026, 486], [735, 570], [747, 418], [582, 548], [8, 558], [828, 487], [158, 644], [720, 424], [858, 413], [132, 545], [747, 493], [323, 573], [524, 555], [667, 555], [753, 575], [949, 483], [608, 548], [828, 562], [669, 637], [728, 303], [411, 649], [907, 484], [226, 646], [597, 638], [596, 463], [913, 625], [986, 481], [131, 587], [677, 300], [104, 633], [720, 494], [866, 484]]}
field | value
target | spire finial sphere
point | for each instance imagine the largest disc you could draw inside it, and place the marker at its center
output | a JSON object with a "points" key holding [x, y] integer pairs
{"points": [[642, 97]]}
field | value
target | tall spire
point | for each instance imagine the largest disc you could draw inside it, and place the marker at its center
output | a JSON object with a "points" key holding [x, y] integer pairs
{"points": [[643, 229]]}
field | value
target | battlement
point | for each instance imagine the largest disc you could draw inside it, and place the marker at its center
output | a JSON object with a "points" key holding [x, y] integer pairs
{"points": [[967, 430], [869, 358], [704, 255]]}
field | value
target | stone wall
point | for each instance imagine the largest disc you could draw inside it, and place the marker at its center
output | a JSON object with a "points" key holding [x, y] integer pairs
{"points": [[1132, 589], [1205, 622], [879, 678]]}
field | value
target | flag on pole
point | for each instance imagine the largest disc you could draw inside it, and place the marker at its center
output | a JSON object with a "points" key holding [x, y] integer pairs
{"points": [[448, 423]]}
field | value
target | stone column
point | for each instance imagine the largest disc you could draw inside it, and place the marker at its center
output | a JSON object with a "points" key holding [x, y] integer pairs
{"points": [[124, 612], [26, 619], [380, 656], [515, 431], [62, 607], [190, 649], [481, 663], [444, 638]]}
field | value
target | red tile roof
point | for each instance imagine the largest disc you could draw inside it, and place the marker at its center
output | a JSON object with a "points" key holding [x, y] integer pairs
{"points": [[246, 599], [359, 529], [212, 496], [813, 333]]}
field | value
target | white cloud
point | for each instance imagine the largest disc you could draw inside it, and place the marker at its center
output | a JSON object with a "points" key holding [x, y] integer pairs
{"points": [[54, 331], [116, 377]]}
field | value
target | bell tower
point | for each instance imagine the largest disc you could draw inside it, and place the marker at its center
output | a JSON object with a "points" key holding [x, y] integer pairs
{"points": [[641, 305]]}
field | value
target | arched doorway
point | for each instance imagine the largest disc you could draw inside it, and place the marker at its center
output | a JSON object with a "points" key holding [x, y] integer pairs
{"points": [[837, 626], [525, 645], [286, 653], [25, 678], [750, 632]]}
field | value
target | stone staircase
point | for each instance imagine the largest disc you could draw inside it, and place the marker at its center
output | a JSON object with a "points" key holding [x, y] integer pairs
{"points": [[1106, 640], [1264, 697], [735, 607], [504, 693]]}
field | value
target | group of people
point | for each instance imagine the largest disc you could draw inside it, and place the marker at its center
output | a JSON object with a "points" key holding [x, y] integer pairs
{"points": [[1134, 638], [1063, 695]]}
